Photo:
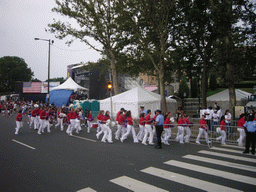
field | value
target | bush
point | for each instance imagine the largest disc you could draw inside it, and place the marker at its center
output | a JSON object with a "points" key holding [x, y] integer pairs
{"points": [[183, 88]]}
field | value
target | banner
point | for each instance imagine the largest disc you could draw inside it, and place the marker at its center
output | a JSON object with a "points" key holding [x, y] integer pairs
{"points": [[45, 86]]}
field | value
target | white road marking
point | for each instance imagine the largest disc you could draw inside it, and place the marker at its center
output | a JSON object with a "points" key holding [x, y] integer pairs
{"points": [[23, 144], [214, 172], [228, 156], [135, 185], [189, 181], [83, 138], [88, 189], [220, 162], [226, 150], [233, 146]]}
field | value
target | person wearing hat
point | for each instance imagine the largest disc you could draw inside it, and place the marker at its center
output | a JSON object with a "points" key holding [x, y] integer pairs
{"points": [[142, 110], [159, 128]]}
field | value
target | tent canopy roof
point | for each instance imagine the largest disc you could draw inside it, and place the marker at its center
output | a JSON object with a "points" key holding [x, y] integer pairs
{"points": [[137, 94], [224, 95], [69, 84]]}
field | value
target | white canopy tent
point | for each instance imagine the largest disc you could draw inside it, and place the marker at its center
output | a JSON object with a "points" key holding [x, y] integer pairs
{"points": [[133, 99], [69, 84]]}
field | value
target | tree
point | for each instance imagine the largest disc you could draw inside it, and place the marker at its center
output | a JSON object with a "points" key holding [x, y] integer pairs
{"points": [[96, 19], [194, 88], [213, 82], [57, 79], [183, 89], [13, 69]]}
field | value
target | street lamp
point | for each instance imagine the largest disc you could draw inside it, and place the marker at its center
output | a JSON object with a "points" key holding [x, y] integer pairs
{"points": [[49, 55]]}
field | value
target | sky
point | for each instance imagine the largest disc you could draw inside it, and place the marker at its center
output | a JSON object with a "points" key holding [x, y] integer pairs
{"points": [[23, 20]]}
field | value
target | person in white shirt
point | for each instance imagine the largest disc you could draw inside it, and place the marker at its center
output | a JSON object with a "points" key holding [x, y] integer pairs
{"points": [[215, 119], [228, 118]]}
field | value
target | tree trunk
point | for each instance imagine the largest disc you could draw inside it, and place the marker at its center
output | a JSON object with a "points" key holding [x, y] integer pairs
{"points": [[204, 84], [162, 89], [114, 73]]}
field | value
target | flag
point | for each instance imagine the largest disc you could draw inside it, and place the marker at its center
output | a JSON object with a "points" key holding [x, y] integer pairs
{"points": [[32, 87]]}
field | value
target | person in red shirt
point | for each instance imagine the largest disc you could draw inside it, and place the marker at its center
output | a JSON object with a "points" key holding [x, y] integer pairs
{"points": [[34, 113], [72, 115], [89, 121], [222, 131], [120, 122], [140, 135], [100, 119], [180, 134], [18, 122], [130, 128], [240, 128], [106, 129], [118, 113], [203, 130], [167, 129], [187, 124], [42, 121], [148, 130], [60, 116]]}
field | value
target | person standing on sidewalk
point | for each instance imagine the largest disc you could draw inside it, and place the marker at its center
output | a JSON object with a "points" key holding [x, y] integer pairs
{"points": [[250, 130], [159, 128]]}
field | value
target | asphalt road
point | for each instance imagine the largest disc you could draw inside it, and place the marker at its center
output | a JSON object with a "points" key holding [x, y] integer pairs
{"points": [[58, 162]]}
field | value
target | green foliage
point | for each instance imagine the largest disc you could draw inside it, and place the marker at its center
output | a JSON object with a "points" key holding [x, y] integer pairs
{"points": [[13, 69], [57, 79], [213, 82], [183, 89], [194, 88]]}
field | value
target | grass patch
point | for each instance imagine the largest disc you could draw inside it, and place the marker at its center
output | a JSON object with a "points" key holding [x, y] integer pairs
{"points": [[249, 90]]}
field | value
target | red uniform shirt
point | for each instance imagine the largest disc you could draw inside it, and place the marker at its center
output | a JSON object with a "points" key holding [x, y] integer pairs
{"points": [[203, 124], [117, 115], [167, 123], [42, 115], [120, 120], [241, 123], [34, 112], [222, 125], [130, 121], [19, 117], [186, 122], [181, 121], [142, 121], [148, 118]]}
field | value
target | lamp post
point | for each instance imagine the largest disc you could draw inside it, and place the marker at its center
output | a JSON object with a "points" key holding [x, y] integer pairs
{"points": [[49, 56]]}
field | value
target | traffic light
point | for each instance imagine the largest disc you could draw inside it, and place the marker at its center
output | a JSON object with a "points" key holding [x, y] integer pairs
{"points": [[110, 86]]}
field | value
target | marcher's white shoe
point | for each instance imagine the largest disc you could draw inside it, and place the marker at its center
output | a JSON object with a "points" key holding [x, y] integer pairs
{"points": [[197, 142]]}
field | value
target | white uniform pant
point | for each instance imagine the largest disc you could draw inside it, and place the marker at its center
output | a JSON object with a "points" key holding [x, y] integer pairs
{"points": [[18, 126], [130, 128], [118, 131], [89, 126], [188, 134], [99, 127], [60, 123], [222, 137], [71, 126], [149, 130], [181, 134], [107, 133], [242, 136], [77, 125], [140, 135], [34, 120], [167, 135], [42, 125], [202, 131]]}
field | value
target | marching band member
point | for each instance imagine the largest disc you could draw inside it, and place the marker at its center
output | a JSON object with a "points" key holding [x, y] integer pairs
{"points": [[89, 121], [140, 135], [180, 134], [187, 128], [148, 129], [18, 122], [222, 131], [42, 121], [241, 130], [167, 129], [130, 128], [106, 129], [203, 130], [100, 118], [120, 122], [60, 116], [34, 113]]}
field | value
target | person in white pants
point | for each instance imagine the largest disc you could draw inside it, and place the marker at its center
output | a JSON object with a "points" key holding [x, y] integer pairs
{"points": [[89, 121], [187, 128], [130, 128], [140, 135], [180, 134], [148, 130], [100, 119], [240, 129], [42, 121], [167, 129], [222, 131], [60, 116], [34, 118], [106, 129], [18, 122], [203, 130], [120, 122]]}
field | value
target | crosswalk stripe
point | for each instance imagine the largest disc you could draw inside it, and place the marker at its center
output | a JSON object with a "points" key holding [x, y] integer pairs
{"points": [[228, 156], [190, 181], [227, 150], [220, 162], [214, 172], [233, 146], [135, 185], [88, 189]]}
